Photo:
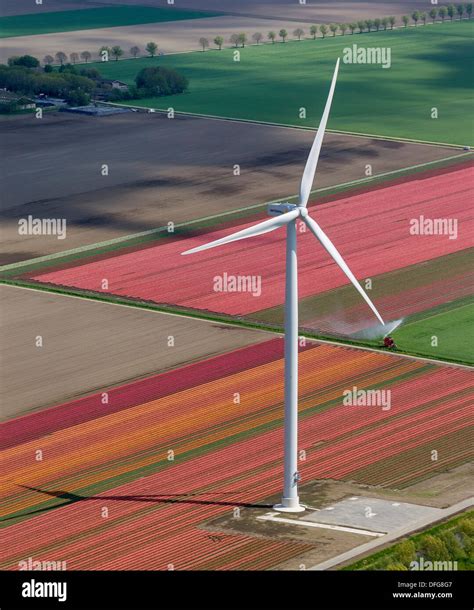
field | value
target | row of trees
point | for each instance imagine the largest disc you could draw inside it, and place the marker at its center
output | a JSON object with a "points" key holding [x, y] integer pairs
{"points": [[442, 12], [257, 38], [115, 52], [367, 25]]}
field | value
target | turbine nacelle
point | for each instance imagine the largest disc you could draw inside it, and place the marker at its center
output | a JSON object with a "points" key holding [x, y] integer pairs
{"points": [[277, 209]]}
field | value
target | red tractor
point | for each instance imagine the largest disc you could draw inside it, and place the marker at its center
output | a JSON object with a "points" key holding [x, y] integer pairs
{"points": [[389, 343]]}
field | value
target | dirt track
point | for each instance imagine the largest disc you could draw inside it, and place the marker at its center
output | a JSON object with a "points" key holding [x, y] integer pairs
{"points": [[89, 345], [161, 170]]}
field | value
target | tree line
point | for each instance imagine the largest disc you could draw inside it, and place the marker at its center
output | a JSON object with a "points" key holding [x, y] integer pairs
{"points": [[366, 25], [115, 52]]}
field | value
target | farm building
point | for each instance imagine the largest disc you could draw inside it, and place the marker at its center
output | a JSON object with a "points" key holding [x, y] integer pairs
{"points": [[115, 84], [12, 101]]}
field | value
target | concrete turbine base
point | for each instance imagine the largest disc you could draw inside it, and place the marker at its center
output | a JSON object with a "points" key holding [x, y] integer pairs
{"points": [[289, 505]]}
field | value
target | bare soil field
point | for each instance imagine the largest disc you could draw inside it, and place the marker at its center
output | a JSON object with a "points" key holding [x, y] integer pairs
{"points": [[171, 37], [161, 170], [315, 11], [89, 346], [322, 10]]}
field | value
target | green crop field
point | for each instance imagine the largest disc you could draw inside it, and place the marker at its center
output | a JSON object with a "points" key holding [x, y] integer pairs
{"points": [[442, 332], [88, 19], [450, 322], [431, 67]]}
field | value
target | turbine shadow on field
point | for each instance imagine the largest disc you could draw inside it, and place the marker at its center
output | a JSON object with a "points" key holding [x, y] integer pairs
{"points": [[184, 498], [335, 153]]}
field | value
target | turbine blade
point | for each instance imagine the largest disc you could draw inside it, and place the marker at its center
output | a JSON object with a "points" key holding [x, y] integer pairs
{"points": [[313, 158], [331, 249], [259, 229]]}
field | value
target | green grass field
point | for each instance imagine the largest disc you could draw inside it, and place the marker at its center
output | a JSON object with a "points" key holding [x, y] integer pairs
{"points": [[442, 332], [88, 19], [431, 67]]}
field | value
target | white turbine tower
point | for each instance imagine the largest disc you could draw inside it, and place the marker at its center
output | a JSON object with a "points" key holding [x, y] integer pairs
{"points": [[286, 214]]}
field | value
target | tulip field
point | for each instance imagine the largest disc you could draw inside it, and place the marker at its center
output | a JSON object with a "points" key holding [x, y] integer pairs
{"points": [[130, 483], [371, 247]]}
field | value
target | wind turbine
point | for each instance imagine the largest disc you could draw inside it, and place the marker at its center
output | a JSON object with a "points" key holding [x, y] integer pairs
{"points": [[286, 214]]}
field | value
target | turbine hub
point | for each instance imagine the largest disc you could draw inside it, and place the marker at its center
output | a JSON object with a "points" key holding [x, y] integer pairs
{"points": [[303, 212]]}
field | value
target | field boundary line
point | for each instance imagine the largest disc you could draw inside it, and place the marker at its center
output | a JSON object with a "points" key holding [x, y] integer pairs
{"points": [[110, 299], [125, 238], [354, 134]]}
